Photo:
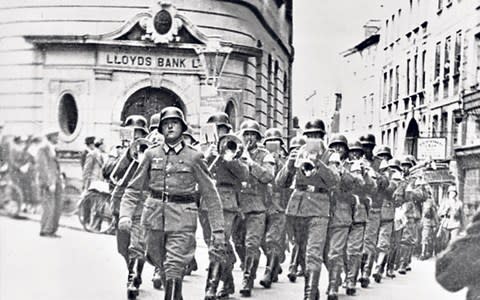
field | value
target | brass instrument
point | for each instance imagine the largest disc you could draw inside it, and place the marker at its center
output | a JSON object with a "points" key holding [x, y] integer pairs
{"points": [[123, 171], [314, 149], [229, 147], [139, 146]]}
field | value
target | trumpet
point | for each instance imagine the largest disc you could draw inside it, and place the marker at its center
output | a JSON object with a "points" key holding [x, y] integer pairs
{"points": [[307, 167], [138, 147], [128, 162], [229, 147]]}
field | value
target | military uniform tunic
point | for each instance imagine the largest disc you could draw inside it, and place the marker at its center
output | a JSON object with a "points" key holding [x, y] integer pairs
{"points": [[171, 174]]}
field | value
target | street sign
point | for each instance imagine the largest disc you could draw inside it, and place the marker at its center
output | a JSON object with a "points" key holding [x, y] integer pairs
{"points": [[431, 148]]}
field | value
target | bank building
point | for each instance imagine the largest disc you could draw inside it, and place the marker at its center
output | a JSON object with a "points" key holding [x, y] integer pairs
{"points": [[86, 65]]}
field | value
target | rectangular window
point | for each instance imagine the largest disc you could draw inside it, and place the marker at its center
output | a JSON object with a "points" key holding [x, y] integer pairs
{"points": [[444, 124], [457, 61], [455, 127], [386, 32], [424, 56], [408, 76], [390, 86], [270, 92], [415, 75], [397, 82], [383, 136], [384, 98], [446, 61], [435, 126], [438, 48], [395, 133], [388, 136]]}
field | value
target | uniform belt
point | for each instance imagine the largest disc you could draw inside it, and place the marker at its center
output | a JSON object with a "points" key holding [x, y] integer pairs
{"points": [[173, 198], [225, 184], [311, 188]]}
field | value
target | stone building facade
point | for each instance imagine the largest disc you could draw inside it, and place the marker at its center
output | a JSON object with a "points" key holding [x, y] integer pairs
{"points": [[86, 65]]}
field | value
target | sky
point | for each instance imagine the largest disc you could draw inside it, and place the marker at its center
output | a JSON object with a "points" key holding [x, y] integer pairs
{"points": [[321, 30]]}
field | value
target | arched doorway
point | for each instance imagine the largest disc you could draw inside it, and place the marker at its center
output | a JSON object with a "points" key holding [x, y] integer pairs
{"points": [[231, 111], [148, 101], [411, 138]]}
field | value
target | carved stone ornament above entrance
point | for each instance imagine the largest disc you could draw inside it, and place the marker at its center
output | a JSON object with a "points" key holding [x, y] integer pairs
{"points": [[162, 26]]}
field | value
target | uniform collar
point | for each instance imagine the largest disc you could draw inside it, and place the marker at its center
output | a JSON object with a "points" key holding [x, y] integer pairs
{"points": [[176, 148]]}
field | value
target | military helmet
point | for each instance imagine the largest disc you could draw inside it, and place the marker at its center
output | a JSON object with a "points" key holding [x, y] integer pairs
{"points": [[154, 121], [297, 142], [368, 140], [355, 146], [394, 163], [338, 139], [89, 140], [315, 125], [408, 160], [384, 150], [189, 133], [172, 112], [220, 119], [272, 134], [136, 122], [252, 126]]}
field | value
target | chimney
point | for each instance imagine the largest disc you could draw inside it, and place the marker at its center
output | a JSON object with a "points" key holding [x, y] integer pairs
{"points": [[371, 27]]}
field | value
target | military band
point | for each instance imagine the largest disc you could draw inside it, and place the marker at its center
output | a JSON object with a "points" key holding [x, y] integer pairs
{"points": [[350, 206]]}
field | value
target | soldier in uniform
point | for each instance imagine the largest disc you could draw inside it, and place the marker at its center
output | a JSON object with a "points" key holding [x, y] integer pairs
{"points": [[274, 237], [253, 193], [89, 146], [342, 211], [429, 225], [361, 206], [171, 172], [309, 204], [228, 171], [297, 258]]}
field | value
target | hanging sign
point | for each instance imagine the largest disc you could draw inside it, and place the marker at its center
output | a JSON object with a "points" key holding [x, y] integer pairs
{"points": [[431, 148]]}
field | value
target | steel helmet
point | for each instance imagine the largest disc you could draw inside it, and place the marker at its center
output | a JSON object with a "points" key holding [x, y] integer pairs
{"points": [[368, 140], [384, 150], [136, 122], [355, 146], [172, 112], [338, 139], [154, 121], [315, 125], [252, 126], [189, 133], [220, 119], [394, 163], [408, 160], [273, 134], [297, 142]]}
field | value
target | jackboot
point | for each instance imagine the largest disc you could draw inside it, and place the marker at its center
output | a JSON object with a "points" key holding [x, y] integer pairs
{"points": [[228, 286], [214, 272], [292, 269], [248, 277], [333, 281], [403, 260], [192, 266], [132, 290], [311, 285], [173, 289], [158, 279], [137, 280], [367, 271], [377, 275], [353, 264], [272, 261], [408, 267]]}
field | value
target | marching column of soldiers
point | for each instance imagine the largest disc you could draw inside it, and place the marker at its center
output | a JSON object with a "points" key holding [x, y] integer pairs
{"points": [[348, 205]]}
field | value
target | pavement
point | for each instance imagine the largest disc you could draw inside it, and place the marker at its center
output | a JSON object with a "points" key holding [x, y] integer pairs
{"points": [[82, 265]]}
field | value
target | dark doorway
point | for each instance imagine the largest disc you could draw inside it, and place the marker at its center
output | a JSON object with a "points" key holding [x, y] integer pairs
{"points": [[148, 101], [411, 138]]}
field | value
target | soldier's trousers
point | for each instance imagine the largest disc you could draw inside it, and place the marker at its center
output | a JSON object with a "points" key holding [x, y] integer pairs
{"points": [[385, 236], [205, 224], [170, 251], [52, 209], [428, 235], [371, 234], [337, 238], [314, 231], [238, 236], [131, 244], [254, 230], [275, 235], [354, 250], [393, 256]]}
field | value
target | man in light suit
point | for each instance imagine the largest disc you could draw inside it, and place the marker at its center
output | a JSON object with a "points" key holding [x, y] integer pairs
{"points": [[49, 179]]}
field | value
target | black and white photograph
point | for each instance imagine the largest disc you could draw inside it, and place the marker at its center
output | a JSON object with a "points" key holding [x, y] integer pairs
{"points": [[231, 149]]}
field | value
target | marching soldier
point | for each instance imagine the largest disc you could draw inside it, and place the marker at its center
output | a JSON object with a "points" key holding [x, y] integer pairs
{"points": [[429, 225], [342, 211], [171, 172], [309, 204], [253, 199], [360, 217], [274, 239], [298, 251], [228, 171], [375, 204]]}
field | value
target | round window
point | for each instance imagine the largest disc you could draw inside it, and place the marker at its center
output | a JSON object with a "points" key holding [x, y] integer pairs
{"points": [[68, 114], [162, 22]]}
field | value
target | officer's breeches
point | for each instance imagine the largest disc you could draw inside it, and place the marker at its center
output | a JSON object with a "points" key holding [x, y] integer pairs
{"points": [[275, 235], [384, 236], [315, 232], [355, 239], [371, 233], [254, 230], [337, 242], [131, 245], [52, 209], [172, 250]]}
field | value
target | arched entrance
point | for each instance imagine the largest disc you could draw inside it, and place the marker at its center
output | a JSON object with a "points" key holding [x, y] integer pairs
{"points": [[148, 101], [411, 138], [231, 111]]}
